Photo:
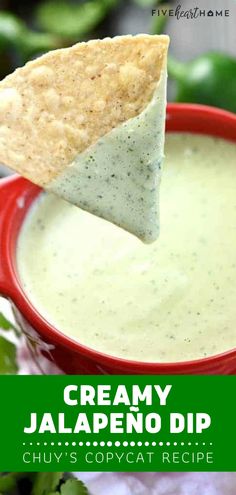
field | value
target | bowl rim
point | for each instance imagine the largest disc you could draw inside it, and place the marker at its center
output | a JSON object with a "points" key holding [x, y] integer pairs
{"points": [[11, 287]]}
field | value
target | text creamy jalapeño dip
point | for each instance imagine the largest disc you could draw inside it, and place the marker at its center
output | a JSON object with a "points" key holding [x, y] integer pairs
{"points": [[169, 301]]}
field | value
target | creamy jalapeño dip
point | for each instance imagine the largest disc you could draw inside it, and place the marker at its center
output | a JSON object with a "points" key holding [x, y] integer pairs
{"points": [[169, 301], [118, 177]]}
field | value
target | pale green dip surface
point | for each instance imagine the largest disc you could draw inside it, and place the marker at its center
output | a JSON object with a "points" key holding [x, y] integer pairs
{"points": [[169, 301]]}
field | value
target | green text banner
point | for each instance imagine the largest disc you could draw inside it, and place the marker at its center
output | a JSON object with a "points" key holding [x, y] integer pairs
{"points": [[117, 423]]}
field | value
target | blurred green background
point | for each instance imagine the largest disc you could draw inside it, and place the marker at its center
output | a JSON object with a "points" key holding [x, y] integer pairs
{"points": [[202, 65]]}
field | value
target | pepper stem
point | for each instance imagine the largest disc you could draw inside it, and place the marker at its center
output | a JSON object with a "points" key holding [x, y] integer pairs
{"points": [[159, 22]]}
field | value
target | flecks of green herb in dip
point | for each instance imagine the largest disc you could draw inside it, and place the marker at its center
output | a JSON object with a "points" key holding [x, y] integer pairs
{"points": [[169, 301], [118, 177]]}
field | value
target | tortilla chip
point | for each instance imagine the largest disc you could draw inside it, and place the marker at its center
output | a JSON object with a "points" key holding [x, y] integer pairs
{"points": [[58, 105]]}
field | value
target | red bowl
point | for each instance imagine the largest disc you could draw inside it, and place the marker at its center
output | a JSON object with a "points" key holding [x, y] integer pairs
{"points": [[45, 341]]}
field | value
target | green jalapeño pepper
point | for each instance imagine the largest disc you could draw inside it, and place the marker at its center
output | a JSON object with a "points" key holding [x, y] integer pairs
{"points": [[209, 79]]}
